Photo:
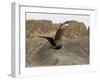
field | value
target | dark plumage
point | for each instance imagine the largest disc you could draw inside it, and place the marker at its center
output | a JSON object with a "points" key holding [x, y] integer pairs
{"points": [[56, 42]]}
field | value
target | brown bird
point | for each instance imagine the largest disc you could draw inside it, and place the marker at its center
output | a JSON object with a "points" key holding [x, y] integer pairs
{"points": [[56, 41]]}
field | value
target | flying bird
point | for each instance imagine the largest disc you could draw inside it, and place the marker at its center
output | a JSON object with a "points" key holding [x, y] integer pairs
{"points": [[56, 41]]}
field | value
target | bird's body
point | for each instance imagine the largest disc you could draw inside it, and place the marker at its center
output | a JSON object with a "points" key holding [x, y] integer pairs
{"points": [[56, 42]]}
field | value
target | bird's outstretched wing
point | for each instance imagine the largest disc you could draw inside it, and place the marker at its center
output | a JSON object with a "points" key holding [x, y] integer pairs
{"points": [[51, 40], [60, 31], [59, 34]]}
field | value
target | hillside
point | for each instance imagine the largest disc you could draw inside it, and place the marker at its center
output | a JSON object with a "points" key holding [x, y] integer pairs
{"points": [[75, 49]]}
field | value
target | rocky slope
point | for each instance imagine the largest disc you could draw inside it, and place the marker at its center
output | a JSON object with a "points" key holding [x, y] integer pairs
{"points": [[75, 49]]}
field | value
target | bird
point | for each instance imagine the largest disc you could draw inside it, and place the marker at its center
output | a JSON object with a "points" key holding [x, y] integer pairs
{"points": [[56, 41]]}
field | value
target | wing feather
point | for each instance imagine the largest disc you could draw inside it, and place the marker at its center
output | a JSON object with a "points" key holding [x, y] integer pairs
{"points": [[51, 40], [60, 31], [59, 34]]}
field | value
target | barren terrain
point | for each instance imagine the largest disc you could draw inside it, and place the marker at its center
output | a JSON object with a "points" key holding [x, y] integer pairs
{"points": [[75, 50]]}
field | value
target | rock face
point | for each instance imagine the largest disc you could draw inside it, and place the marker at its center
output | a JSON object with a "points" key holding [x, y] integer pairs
{"points": [[76, 30], [39, 26], [75, 50]]}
